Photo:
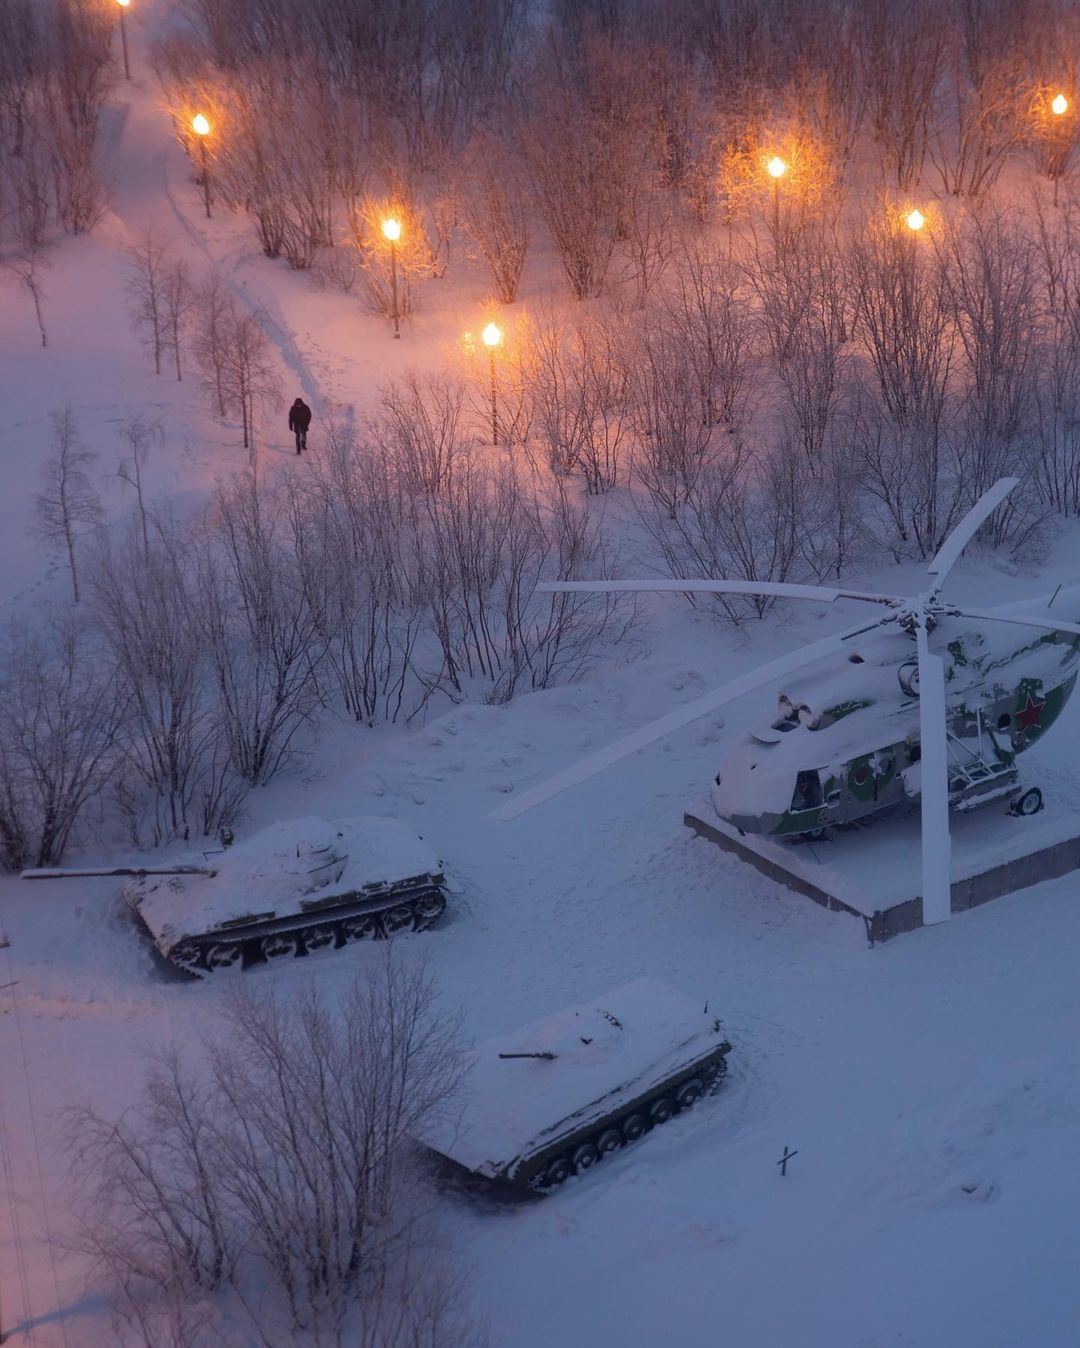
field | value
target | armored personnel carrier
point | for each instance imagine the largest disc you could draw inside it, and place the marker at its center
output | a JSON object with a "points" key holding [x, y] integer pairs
{"points": [[554, 1098], [297, 887]]}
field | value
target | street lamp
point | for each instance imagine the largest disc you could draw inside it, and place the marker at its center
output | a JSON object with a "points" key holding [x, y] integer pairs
{"points": [[1059, 105], [392, 229], [915, 220], [201, 127], [123, 37], [492, 337], [776, 169]]}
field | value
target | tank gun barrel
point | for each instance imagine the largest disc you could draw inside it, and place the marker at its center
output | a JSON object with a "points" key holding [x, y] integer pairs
{"points": [[97, 872], [548, 1057]]}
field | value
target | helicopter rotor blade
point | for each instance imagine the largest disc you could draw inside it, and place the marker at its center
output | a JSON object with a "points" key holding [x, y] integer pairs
{"points": [[774, 589], [948, 554], [675, 720], [934, 785], [1021, 619]]}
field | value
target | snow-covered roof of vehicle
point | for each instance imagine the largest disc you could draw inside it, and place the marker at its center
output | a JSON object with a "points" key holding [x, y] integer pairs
{"points": [[605, 1053], [758, 771], [272, 874]]}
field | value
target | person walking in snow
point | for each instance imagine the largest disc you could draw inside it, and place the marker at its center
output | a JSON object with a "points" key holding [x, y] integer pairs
{"points": [[299, 421]]}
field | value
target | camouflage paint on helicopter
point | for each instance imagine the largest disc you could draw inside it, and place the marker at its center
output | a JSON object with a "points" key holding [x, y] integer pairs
{"points": [[860, 753]]}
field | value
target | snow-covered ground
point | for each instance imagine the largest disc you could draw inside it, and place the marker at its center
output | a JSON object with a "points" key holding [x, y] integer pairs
{"points": [[931, 1087]]}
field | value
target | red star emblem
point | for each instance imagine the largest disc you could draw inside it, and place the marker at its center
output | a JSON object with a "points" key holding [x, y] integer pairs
{"points": [[1029, 717]]}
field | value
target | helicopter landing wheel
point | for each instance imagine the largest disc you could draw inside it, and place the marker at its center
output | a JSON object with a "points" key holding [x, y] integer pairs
{"points": [[816, 835], [1031, 802]]}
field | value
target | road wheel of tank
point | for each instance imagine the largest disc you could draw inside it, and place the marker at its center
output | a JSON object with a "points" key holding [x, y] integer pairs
{"points": [[397, 919], [584, 1157], [188, 955], [688, 1093], [223, 955], [363, 927], [280, 945], [318, 938], [428, 909], [557, 1172], [634, 1127], [711, 1075], [661, 1110], [609, 1140]]}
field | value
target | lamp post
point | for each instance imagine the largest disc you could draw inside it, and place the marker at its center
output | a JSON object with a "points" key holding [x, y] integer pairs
{"points": [[201, 127], [1059, 106], [492, 337], [123, 37], [392, 229], [776, 169]]}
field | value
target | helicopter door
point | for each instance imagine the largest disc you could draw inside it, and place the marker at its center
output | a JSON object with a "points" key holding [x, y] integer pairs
{"points": [[807, 794]]}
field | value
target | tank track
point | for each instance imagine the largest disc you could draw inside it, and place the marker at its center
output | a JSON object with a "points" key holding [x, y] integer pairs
{"points": [[308, 933], [581, 1150]]}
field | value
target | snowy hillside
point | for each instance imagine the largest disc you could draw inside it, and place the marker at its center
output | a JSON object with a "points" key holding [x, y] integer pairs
{"points": [[929, 1086]]}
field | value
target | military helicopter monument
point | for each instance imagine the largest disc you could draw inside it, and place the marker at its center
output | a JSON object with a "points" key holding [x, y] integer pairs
{"points": [[926, 702]]}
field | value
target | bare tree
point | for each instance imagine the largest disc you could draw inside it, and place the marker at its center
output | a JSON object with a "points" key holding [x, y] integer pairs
{"points": [[212, 315], [977, 117], [574, 152], [1057, 389], [420, 429], [25, 266], [60, 714], [67, 506], [804, 311], [358, 565], [904, 320], [261, 630], [140, 433], [173, 776], [248, 377], [992, 274], [209, 1184], [904, 48], [147, 289], [179, 303], [494, 211], [708, 306], [675, 443]]}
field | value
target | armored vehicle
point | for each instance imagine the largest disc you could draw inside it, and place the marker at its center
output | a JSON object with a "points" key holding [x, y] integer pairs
{"points": [[297, 887], [554, 1098]]}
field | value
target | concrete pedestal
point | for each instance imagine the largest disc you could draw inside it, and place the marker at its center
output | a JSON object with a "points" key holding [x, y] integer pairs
{"points": [[874, 870]]}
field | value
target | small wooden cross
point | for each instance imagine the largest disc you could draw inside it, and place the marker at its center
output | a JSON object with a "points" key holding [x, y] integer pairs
{"points": [[782, 1163]]}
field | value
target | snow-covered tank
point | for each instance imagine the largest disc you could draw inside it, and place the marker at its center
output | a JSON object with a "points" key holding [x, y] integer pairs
{"points": [[553, 1098], [299, 886]]}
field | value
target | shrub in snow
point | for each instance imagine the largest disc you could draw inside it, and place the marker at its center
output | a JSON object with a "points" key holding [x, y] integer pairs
{"points": [[270, 1183]]}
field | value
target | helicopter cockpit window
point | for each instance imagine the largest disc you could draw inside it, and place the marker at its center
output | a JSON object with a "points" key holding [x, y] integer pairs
{"points": [[807, 791]]}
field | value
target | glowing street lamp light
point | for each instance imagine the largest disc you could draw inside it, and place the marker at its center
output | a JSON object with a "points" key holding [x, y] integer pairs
{"points": [[492, 337], [1059, 105], [776, 168], [391, 228], [915, 220], [123, 37]]}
